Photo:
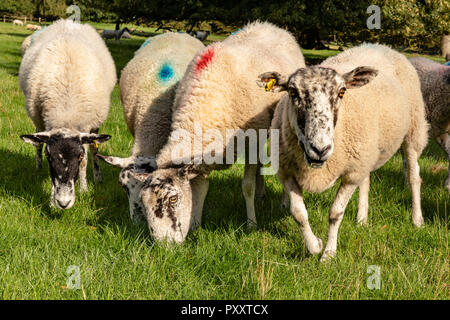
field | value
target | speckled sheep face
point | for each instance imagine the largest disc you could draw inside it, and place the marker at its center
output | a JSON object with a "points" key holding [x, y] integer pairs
{"points": [[132, 177], [167, 199], [315, 97], [64, 152]]}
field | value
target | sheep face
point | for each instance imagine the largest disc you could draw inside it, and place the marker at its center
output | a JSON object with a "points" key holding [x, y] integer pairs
{"points": [[315, 96], [167, 199], [64, 151], [131, 178]]}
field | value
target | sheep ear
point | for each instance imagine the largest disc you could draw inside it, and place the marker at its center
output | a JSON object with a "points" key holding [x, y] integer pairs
{"points": [[87, 138], [272, 81], [359, 77], [37, 138], [116, 161]]}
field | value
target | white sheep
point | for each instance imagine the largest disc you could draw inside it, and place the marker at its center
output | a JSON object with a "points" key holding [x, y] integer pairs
{"points": [[147, 91], [17, 22], [67, 76], [445, 47], [435, 84], [342, 120], [218, 92], [114, 34]]}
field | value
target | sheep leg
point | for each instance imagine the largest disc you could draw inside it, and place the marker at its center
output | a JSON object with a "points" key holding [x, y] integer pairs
{"points": [[363, 203], [337, 210], [260, 192], [298, 211], [405, 169], [95, 166], [444, 142], [83, 167], [199, 187], [39, 147], [414, 182], [248, 189]]}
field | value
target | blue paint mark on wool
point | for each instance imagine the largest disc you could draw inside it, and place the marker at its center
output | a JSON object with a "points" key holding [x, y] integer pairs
{"points": [[447, 63], [166, 73]]}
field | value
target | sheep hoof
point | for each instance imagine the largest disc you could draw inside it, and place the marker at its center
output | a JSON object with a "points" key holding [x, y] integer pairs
{"points": [[327, 256], [317, 247], [418, 222], [251, 225], [362, 222]]}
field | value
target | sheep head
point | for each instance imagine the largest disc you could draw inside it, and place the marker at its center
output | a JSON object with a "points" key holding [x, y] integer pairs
{"points": [[315, 96]]}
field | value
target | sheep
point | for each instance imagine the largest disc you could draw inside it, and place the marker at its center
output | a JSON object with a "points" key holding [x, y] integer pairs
{"points": [[341, 120], [17, 22], [217, 92], [435, 85], [67, 76], [445, 47], [117, 34], [147, 91], [33, 27]]}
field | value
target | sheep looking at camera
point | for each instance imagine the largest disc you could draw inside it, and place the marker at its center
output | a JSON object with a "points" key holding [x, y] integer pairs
{"points": [[342, 120], [67, 76], [147, 91], [218, 92]]}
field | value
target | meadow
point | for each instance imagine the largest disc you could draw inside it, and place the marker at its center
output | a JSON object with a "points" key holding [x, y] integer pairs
{"points": [[220, 260]]}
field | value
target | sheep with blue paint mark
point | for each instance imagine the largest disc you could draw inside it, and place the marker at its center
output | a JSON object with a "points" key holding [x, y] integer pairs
{"points": [[147, 90]]}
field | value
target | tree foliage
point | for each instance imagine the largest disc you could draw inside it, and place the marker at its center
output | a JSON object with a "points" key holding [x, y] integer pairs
{"points": [[409, 23]]}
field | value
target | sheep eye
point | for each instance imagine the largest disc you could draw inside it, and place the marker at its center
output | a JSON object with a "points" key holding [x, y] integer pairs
{"points": [[341, 92], [173, 199]]}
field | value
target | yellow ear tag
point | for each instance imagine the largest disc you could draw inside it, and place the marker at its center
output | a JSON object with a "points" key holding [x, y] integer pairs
{"points": [[95, 144], [270, 84]]}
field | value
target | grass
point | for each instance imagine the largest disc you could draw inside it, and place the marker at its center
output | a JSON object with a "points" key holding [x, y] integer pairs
{"points": [[221, 260]]}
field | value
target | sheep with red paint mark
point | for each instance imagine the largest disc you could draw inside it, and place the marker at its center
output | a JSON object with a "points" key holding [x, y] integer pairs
{"points": [[218, 92], [147, 91]]}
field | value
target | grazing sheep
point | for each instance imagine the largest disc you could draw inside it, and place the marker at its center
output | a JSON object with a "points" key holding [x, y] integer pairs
{"points": [[218, 92], [117, 34], [67, 76], [435, 85], [33, 27], [147, 91], [26, 43], [445, 47], [342, 120], [18, 22]]}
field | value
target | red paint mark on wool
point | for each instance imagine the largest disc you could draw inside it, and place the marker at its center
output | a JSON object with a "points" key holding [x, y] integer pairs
{"points": [[204, 60]]}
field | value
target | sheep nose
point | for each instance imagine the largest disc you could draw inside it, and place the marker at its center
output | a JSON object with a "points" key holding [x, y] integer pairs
{"points": [[63, 204], [322, 151]]}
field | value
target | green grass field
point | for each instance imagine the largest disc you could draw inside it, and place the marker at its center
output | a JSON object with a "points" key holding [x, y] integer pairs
{"points": [[221, 260]]}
